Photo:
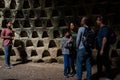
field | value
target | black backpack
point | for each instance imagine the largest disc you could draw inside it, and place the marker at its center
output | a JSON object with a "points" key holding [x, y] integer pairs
{"points": [[112, 37], [88, 38]]}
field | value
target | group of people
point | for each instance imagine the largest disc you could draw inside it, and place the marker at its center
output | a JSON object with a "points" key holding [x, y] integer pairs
{"points": [[74, 50]]}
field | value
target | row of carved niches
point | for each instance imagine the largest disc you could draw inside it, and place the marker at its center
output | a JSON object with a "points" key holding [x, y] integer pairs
{"points": [[39, 23], [38, 34], [31, 43], [26, 4], [33, 52], [62, 11]]}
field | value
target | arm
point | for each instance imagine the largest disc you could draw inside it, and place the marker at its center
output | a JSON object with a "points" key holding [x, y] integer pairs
{"points": [[104, 40], [64, 42], [3, 36], [78, 37]]}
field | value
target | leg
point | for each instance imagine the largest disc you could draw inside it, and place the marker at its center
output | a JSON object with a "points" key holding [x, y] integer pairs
{"points": [[107, 62], [73, 63], [9, 52], [88, 67], [70, 66], [99, 64], [6, 51], [65, 64], [79, 65]]}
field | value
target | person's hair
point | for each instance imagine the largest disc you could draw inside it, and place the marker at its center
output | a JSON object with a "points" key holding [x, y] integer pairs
{"points": [[75, 26], [4, 23], [88, 21], [65, 31], [103, 19]]}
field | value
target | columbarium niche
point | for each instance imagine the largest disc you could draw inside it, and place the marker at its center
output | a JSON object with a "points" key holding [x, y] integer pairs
{"points": [[38, 23], [31, 14], [2, 4], [34, 34], [60, 2], [13, 4], [29, 43], [55, 13], [16, 24], [43, 13], [49, 23], [36, 3], [48, 3], [3, 23], [33, 53], [52, 44], [59, 52], [18, 43], [7, 14], [23, 34], [56, 34], [19, 14], [45, 53], [40, 43], [45, 34], [26, 4], [67, 12], [26, 24], [61, 22]]}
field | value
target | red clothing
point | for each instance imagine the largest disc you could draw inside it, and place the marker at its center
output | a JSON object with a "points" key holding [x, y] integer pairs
{"points": [[7, 32]]}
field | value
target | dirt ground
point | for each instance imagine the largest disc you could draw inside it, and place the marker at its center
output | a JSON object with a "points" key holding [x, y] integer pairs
{"points": [[40, 71]]}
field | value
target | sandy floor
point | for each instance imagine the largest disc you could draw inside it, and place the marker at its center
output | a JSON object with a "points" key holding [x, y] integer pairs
{"points": [[39, 71]]}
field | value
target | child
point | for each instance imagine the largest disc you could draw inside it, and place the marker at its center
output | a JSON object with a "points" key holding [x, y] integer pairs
{"points": [[66, 53], [7, 36]]}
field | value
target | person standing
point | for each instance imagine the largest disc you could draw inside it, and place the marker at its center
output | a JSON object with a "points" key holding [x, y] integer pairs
{"points": [[73, 32], [7, 36], [103, 45], [66, 52], [83, 55]]}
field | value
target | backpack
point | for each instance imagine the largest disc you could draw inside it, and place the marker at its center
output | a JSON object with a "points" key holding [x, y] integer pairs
{"points": [[88, 38], [112, 37]]}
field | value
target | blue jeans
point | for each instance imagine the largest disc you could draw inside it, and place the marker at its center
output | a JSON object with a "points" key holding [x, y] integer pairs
{"points": [[83, 56], [67, 63], [7, 51]]}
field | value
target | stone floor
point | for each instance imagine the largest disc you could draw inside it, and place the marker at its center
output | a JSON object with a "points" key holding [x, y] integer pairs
{"points": [[44, 71]]}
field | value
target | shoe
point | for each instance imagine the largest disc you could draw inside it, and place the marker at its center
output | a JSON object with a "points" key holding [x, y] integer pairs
{"points": [[11, 66], [66, 75], [71, 74], [7, 67]]}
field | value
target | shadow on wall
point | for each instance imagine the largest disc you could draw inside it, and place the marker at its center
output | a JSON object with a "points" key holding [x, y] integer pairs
{"points": [[21, 48]]}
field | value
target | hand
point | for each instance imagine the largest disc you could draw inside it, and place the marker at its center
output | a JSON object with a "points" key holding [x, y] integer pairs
{"points": [[7, 37], [68, 41], [101, 52], [12, 38]]}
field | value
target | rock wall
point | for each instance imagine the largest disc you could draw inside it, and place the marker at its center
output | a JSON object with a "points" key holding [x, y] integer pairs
{"points": [[38, 24]]}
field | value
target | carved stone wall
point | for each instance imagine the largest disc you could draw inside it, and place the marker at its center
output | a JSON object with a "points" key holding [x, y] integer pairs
{"points": [[38, 24]]}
